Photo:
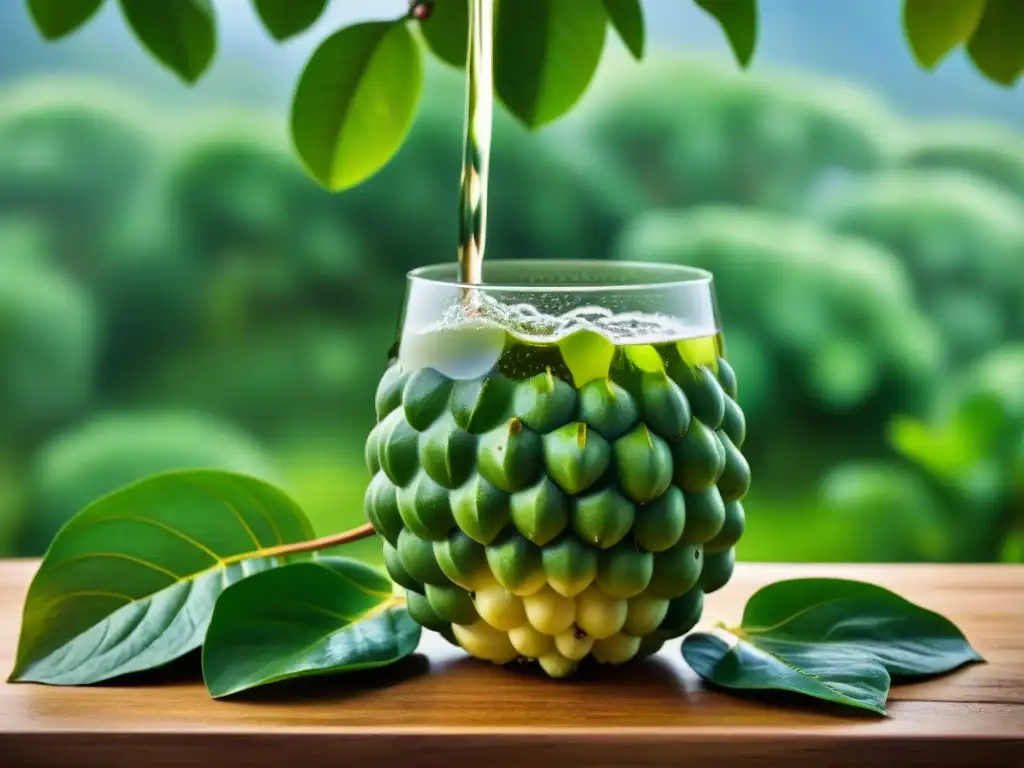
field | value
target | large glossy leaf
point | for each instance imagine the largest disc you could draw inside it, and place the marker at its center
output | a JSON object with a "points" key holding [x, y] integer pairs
{"points": [[447, 31], [130, 582], [997, 45], [323, 617], [286, 18], [545, 55], [58, 18], [628, 19], [738, 19], [831, 639], [935, 27], [355, 102], [181, 34]]}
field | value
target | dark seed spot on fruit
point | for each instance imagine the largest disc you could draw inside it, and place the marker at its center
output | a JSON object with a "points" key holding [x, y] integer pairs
{"points": [[696, 554]]}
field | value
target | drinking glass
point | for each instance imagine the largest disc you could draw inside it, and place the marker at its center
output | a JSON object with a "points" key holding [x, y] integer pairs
{"points": [[556, 466]]}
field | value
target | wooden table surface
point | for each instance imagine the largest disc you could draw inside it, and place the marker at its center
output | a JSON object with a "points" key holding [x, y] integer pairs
{"points": [[442, 708]]}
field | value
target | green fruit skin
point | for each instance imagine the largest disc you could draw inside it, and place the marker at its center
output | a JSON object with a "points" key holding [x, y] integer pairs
{"points": [[389, 391], [544, 403], [397, 449], [381, 506], [718, 570], [664, 406], [706, 396], [423, 612], [644, 464], [462, 560], [425, 397], [397, 572], [447, 452], [660, 524], [576, 456], [481, 510], [479, 405], [452, 604], [425, 508], [735, 480], [619, 501], [705, 516], [510, 456], [699, 458], [676, 570], [541, 512], [732, 529], [603, 518], [607, 408]]}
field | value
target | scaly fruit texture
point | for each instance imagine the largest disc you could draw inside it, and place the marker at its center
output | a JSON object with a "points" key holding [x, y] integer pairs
{"points": [[580, 511]]}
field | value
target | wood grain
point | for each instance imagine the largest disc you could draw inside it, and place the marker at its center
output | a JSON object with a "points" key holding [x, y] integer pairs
{"points": [[441, 708]]}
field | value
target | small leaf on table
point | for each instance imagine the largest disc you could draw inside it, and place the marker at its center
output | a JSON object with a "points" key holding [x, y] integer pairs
{"points": [[355, 102], [287, 18], [628, 19], [832, 639], [832, 674], [738, 19], [58, 18], [323, 617], [447, 31], [130, 582], [179, 33], [545, 55]]}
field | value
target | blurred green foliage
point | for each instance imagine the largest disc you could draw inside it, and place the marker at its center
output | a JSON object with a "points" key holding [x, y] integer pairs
{"points": [[178, 294], [962, 239]]}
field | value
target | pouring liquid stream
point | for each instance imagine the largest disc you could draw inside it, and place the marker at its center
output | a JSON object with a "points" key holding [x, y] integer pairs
{"points": [[477, 144]]}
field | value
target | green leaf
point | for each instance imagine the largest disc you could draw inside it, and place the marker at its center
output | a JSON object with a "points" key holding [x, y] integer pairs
{"points": [[447, 31], [738, 19], [628, 19], [286, 18], [324, 617], [130, 582], [355, 102], [545, 55], [997, 46], [935, 27], [181, 34], [832, 639], [58, 18], [835, 675]]}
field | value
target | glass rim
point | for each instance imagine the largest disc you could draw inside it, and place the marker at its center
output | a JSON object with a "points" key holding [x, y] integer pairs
{"points": [[683, 276]]}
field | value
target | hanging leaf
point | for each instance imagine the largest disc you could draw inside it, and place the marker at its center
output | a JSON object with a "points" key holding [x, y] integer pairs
{"points": [[355, 102], [997, 45], [628, 19], [58, 18], [287, 18], [545, 55], [129, 583], [935, 27], [181, 34], [324, 617], [447, 31], [738, 19], [831, 639]]}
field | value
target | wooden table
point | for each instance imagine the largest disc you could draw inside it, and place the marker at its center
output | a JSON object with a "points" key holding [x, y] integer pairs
{"points": [[441, 708]]}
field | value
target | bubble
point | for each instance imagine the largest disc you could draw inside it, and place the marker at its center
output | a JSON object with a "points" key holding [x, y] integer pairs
{"points": [[526, 322]]}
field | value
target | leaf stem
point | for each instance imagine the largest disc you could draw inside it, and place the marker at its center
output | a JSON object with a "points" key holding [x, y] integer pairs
{"points": [[324, 542]]}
